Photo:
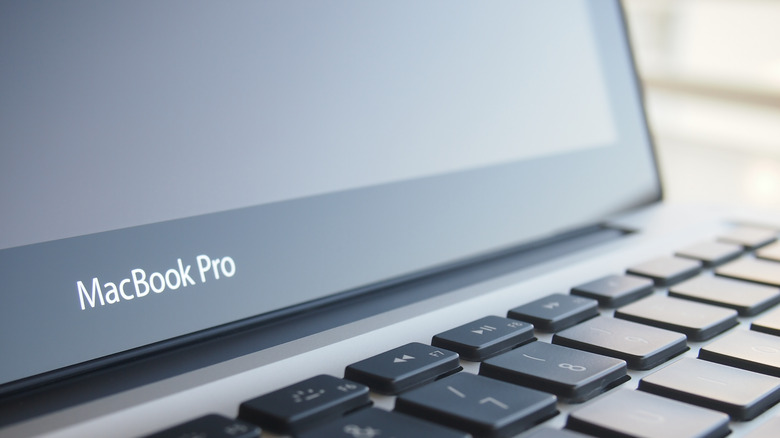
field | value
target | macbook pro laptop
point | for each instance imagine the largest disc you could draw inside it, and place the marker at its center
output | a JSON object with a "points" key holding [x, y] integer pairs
{"points": [[360, 220]]}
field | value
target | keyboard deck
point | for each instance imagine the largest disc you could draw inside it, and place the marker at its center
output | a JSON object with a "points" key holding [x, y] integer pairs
{"points": [[686, 344]]}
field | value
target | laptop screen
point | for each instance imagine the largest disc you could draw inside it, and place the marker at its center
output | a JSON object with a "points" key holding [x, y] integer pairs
{"points": [[171, 168]]}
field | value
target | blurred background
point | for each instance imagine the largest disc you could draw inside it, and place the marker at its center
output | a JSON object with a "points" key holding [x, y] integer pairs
{"points": [[711, 72]]}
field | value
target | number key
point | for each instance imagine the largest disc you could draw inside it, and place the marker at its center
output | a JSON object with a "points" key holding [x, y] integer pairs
{"points": [[641, 346], [484, 407], [572, 375]]}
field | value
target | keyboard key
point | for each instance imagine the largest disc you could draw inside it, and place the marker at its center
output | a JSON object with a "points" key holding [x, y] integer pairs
{"points": [[665, 271], [747, 299], [698, 321], [769, 323], [628, 413], [744, 349], [572, 375], [770, 252], [767, 430], [755, 270], [212, 426], [615, 290], [749, 237], [741, 394], [642, 347], [481, 406], [485, 337], [711, 253], [556, 312], [304, 404], [403, 368], [546, 432], [376, 423]]}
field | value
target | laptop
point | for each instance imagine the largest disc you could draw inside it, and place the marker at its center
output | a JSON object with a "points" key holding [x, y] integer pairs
{"points": [[360, 219]]}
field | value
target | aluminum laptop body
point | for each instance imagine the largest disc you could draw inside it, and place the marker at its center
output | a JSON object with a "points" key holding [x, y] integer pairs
{"points": [[205, 203]]}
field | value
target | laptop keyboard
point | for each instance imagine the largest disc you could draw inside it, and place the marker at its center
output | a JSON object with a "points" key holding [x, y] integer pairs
{"points": [[641, 320]]}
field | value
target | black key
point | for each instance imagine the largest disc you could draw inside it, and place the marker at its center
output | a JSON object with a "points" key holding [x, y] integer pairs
{"points": [[747, 299], [376, 423], [296, 407], [403, 368], [628, 413], [212, 426], [748, 350], [572, 375], [546, 432], [556, 312], [615, 290], [485, 337], [711, 253], [665, 271], [769, 323], [770, 252], [741, 394], [755, 270], [749, 237], [642, 347], [698, 321], [481, 406]]}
